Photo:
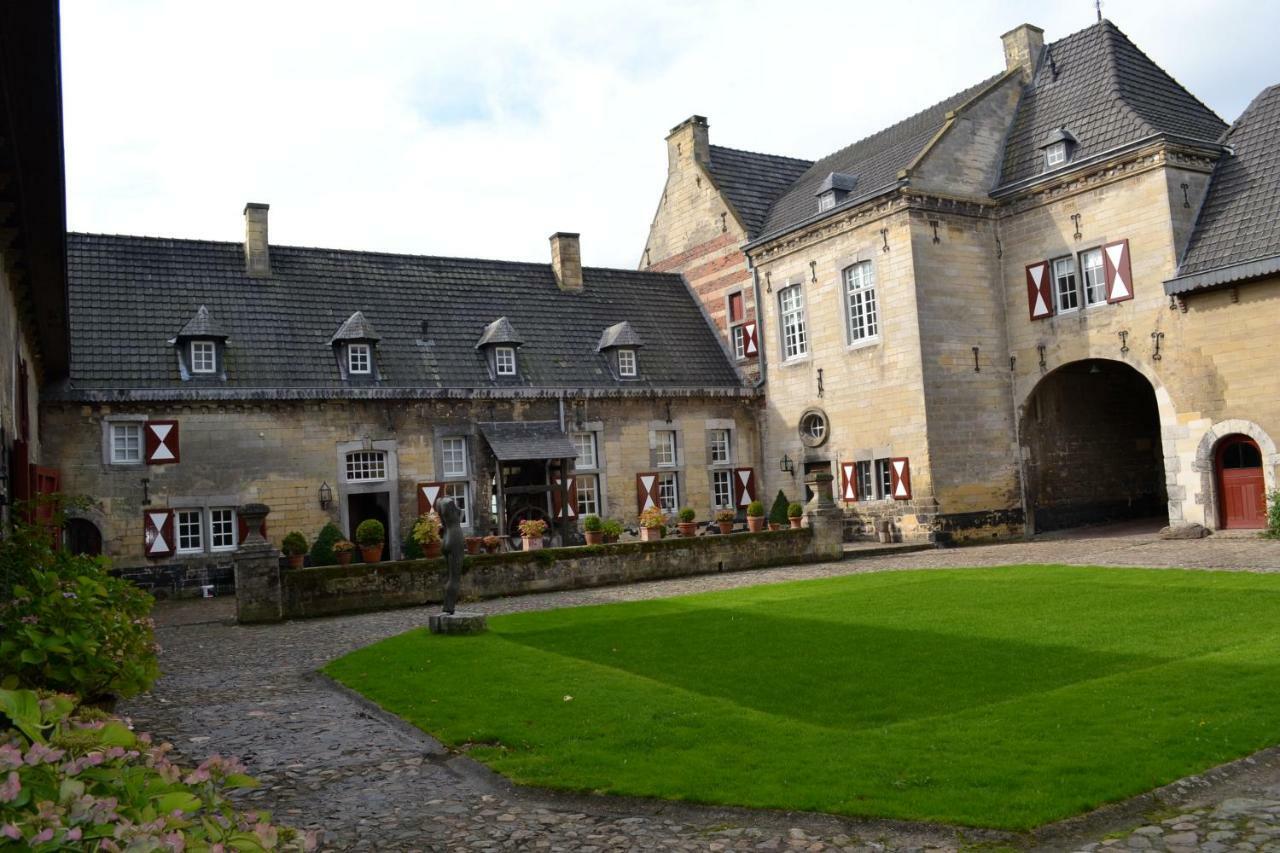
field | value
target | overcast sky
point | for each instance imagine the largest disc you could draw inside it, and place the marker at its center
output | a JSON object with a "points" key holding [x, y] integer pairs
{"points": [[477, 129]]}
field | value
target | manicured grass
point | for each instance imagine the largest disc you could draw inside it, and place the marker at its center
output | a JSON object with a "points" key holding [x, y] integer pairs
{"points": [[990, 697]]}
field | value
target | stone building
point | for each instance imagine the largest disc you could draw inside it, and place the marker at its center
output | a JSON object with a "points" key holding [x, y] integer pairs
{"points": [[344, 385], [1017, 309]]}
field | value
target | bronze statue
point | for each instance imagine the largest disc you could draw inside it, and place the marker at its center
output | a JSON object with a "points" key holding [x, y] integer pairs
{"points": [[454, 547]]}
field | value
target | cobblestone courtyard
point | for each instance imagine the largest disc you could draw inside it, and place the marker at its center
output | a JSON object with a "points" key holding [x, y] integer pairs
{"points": [[328, 761]]}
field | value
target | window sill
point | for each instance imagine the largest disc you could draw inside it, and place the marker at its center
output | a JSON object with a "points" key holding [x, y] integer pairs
{"points": [[800, 359], [863, 343]]}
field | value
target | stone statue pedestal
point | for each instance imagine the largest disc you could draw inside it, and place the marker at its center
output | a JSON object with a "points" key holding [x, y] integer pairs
{"points": [[460, 622]]}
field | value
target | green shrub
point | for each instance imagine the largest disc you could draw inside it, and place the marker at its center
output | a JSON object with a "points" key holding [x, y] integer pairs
{"points": [[612, 527], [592, 524], [411, 549], [794, 510], [371, 532], [687, 515], [322, 549], [1273, 515], [755, 509], [778, 512], [294, 544]]}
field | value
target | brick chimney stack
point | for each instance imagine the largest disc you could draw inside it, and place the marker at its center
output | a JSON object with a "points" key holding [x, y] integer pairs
{"points": [[1022, 48], [689, 140], [566, 260], [257, 251]]}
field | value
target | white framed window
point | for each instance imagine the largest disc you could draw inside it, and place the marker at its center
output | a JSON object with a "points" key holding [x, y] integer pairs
{"points": [[718, 442], [739, 342], [366, 466], [826, 201], [457, 492], [222, 528], [126, 443], [862, 315], [189, 523], [1055, 155], [505, 359], [453, 451], [585, 443], [1067, 293], [1095, 287], [668, 492], [203, 357], [626, 362], [722, 490], [795, 339], [884, 476], [664, 450], [359, 359], [588, 494]]}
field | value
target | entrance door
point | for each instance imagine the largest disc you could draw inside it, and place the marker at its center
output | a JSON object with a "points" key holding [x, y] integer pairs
{"points": [[364, 505], [1240, 484]]}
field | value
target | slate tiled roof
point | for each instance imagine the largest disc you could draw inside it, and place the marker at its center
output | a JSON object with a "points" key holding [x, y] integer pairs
{"points": [[528, 440], [500, 331], [1106, 92], [201, 325], [753, 181], [1239, 223], [356, 328], [129, 294], [619, 335]]}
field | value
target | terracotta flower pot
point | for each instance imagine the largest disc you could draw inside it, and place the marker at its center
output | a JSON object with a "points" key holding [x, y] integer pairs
{"points": [[650, 534], [755, 523], [725, 526], [611, 539], [773, 526], [492, 547], [295, 560], [688, 528], [532, 543], [432, 550], [474, 543], [594, 537], [796, 522], [371, 553], [344, 557]]}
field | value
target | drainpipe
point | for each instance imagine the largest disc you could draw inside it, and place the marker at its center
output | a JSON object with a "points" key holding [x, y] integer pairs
{"points": [[761, 418]]}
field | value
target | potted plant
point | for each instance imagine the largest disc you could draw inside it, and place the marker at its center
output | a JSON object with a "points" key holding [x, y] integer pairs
{"points": [[426, 531], [371, 535], [795, 515], [612, 530], [725, 518], [686, 524], [492, 543], [474, 543], [778, 512], [531, 530], [322, 553], [593, 529], [295, 548], [343, 551], [652, 522], [755, 516]]}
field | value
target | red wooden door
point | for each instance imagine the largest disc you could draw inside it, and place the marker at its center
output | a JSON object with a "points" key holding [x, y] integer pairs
{"points": [[1240, 484]]}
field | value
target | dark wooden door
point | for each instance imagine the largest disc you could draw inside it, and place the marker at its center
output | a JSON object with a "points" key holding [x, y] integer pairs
{"points": [[1240, 484]]}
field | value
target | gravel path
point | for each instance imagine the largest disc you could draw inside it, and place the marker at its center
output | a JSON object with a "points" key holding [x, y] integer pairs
{"points": [[329, 761]]}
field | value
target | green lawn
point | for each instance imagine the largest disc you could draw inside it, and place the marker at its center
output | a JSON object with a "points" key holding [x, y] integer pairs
{"points": [[990, 697]]}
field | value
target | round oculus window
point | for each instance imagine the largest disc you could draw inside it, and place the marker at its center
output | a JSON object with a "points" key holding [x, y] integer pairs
{"points": [[813, 427]]}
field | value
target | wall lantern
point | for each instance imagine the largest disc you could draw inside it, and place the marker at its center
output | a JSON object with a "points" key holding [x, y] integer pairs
{"points": [[326, 495], [786, 465]]}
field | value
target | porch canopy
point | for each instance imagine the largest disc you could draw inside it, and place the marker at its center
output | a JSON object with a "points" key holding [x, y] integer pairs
{"points": [[521, 440]]}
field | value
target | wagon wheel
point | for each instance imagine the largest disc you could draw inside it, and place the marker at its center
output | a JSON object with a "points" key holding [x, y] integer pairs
{"points": [[523, 514]]}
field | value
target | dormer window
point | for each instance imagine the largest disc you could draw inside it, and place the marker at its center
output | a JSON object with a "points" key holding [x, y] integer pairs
{"points": [[627, 363], [504, 358], [826, 201], [1055, 154], [359, 359], [618, 344], [204, 357], [353, 346], [498, 343], [835, 189], [1058, 147], [200, 346]]}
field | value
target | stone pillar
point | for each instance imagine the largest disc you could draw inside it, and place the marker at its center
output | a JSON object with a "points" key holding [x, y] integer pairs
{"points": [[825, 518], [259, 594]]}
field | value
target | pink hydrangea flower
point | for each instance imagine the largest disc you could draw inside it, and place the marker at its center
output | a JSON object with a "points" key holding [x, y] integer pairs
{"points": [[10, 789]]}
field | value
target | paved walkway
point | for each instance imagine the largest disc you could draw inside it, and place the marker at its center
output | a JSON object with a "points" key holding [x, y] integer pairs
{"points": [[330, 762]]}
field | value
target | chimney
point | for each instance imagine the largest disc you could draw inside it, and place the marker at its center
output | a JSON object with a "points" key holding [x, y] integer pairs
{"points": [[1022, 48], [257, 253], [688, 141], [566, 260]]}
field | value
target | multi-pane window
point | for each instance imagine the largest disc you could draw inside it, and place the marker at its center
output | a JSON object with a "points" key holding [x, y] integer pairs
{"points": [[626, 362], [739, 342], [722, 490], [222, 529], [588, 500], [1064, 284], [366, 465], [189, 529], [126, 443], [865, 484], [359, 359], [795, 340], [457, 492], [454, 456], [826, 201], [203, 357], [718, 441], [664, 451], [885, 475], [738, 333], [1095, 288], [668, 492], [860, 302], [585, 443], [505, 358], [1055, 155]]}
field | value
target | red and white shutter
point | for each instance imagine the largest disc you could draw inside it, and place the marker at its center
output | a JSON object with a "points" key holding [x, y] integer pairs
{"points": [[849, 481], [750, 346], [1115, 265], [646, 490], [428, 496], [1039, 297], [160, 442], [158, 540], [242, 529], [744, 486], [900, 478], [570, 511]]}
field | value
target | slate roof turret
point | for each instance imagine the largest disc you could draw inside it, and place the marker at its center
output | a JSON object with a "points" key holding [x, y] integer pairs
{"points": [[355, 328], [200, 325], [619, 335], [499, 331]]}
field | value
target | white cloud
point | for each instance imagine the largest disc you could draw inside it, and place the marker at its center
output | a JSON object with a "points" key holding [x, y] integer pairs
{"points": [[479, 129]]}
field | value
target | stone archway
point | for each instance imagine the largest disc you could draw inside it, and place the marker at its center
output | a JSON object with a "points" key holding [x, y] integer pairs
{"points": [[1203, 465]]}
